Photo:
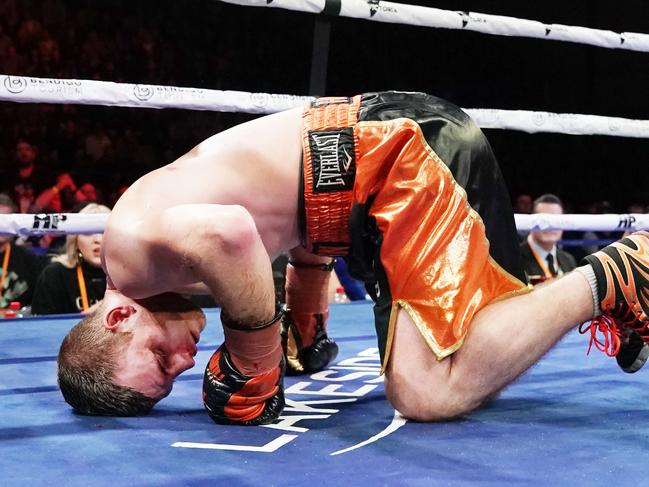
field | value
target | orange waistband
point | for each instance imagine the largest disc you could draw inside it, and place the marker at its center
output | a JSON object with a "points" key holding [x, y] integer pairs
{"points": [[329, 153]]}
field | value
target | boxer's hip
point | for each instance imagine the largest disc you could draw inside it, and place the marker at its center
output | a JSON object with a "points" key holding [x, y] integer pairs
{"points": [[377, 192]]}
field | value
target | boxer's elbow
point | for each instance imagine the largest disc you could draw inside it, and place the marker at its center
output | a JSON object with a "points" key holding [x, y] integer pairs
{"points": [[235, 233]]}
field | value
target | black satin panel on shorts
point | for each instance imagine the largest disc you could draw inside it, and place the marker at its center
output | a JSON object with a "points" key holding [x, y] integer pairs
{"points": [[301, 210], [462, 146]]}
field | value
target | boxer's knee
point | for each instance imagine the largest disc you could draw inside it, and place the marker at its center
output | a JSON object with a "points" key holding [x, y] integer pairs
{"points": [[428, 399]]}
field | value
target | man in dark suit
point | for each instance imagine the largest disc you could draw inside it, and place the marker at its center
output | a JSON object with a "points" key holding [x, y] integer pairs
{"points": [[542, 258]]}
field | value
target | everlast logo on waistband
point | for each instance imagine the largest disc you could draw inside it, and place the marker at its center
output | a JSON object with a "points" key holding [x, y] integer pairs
{"points": [[333, 160]]}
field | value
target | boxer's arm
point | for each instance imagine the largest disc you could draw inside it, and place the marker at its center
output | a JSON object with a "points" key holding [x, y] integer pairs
{"points": [[219, 246], [195, 288]]}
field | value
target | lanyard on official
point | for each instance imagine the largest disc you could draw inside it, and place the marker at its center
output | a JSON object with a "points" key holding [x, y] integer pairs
{"points": [[5, 265], [543, 265], [82, 288]]}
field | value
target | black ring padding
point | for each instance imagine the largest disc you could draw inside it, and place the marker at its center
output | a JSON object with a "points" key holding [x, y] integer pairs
{"points": [[228, 322], [332, 7]]}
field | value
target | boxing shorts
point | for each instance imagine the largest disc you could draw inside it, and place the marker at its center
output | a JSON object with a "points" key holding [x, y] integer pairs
{"points": [[406, 187]]}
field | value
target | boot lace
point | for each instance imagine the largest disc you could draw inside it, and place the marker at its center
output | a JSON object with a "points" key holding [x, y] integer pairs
{"points": [[604, 334]]}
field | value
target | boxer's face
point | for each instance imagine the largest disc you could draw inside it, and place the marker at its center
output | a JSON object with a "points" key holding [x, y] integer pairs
{"points": [[164, 332]]}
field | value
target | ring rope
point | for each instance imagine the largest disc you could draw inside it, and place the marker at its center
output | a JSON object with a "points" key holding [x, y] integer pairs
{"points": [[399, 13], [23, 89], [534, 122], [27, 224], [579, 222], [27, 89]]}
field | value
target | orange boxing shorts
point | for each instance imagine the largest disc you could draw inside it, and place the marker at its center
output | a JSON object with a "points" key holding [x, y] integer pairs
{"points": [[406, 187]]}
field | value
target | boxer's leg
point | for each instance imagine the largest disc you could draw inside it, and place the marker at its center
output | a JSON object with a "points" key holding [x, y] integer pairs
{"points": [[505, 339]]}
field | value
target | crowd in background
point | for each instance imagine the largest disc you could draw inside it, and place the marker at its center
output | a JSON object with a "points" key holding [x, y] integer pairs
{"points": [[108, 148]]}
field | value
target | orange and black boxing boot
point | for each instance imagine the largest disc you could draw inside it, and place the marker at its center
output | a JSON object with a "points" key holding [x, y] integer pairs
{"points": [[621, 288], [243, 381], [307, 347]]}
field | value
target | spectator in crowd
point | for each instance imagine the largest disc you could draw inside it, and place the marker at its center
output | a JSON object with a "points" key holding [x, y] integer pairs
{"points": [[121, 189], [87, 192], [636, 207], [59, 197], [97, 144], [542, 259], [25, 180], [49, 55], [74, 281], [66, 139], [56, 200], [523, 204], [8, 55], [9, 12], [20, 266]]}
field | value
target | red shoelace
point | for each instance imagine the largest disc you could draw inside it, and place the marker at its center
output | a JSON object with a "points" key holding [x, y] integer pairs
{"points": [[611, 330], [607, 328]]}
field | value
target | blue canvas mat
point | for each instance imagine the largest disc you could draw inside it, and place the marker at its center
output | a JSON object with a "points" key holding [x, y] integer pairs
{"points": [[572, 420]]}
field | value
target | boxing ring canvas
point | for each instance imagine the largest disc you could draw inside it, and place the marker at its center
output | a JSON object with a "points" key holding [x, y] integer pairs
{"points": [[572, 420]]}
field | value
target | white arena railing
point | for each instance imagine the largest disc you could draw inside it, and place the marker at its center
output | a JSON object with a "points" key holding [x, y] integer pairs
{"points": [[399, 13], [24, 89], [26, 224]]}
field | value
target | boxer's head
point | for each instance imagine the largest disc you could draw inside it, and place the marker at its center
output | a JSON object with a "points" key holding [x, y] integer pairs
{"points": [[123, 358]]}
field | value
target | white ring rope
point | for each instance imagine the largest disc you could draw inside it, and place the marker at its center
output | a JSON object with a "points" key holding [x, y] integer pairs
{"points": [[559, 123], [27, 89], [23, 89], [399, 13], [577, 222], [25, 224]]}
